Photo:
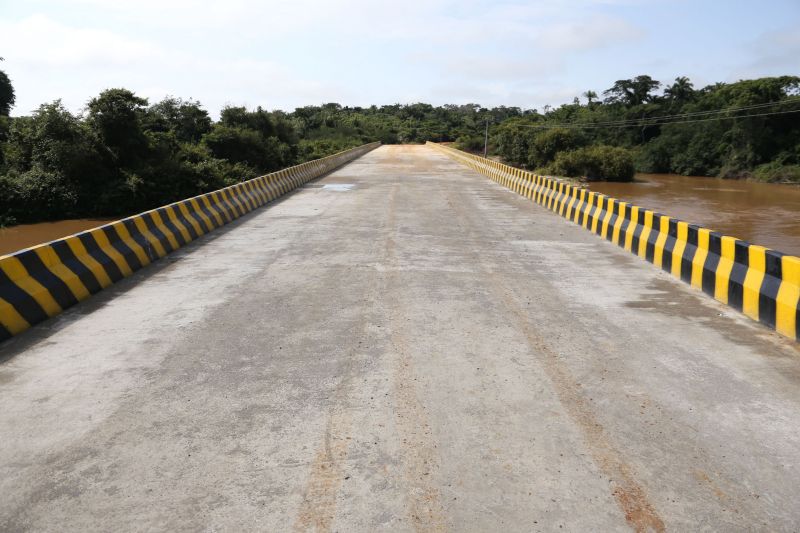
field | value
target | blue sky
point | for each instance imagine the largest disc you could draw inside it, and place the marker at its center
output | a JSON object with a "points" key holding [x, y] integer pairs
{"points": [[288, 53]]}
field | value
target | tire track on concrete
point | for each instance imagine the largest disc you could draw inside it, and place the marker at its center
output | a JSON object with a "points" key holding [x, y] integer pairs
{"points": [[318, 507], [420, 452], [629, 493]]}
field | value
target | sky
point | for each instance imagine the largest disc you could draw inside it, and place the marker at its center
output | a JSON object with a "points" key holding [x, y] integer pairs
{"points": [[282, 54]]}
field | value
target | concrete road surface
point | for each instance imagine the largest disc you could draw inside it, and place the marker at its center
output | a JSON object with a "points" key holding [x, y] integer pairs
{"points": [[401, 346]]}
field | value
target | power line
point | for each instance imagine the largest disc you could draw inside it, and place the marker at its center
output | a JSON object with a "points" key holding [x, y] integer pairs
{"points": [[667, 119], [718, 111], [643, 124]]}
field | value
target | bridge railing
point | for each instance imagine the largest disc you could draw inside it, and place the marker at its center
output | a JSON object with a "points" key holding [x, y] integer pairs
{"points": [[764, 284], [40, 282]]}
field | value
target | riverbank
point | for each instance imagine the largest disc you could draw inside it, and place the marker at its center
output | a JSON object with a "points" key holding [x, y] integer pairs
{"points": [[769, 173]]}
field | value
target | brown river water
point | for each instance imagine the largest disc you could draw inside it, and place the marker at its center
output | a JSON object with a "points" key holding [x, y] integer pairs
{"points": [[26, 235], [761, 213]]}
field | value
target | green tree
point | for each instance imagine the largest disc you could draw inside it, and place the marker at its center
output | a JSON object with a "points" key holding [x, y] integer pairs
{"points": [[50, 158], [681, 91], [116, 117], [632, 92], [249, 147], [547, 144], [185, 118], [7, 96], [52, 138]]}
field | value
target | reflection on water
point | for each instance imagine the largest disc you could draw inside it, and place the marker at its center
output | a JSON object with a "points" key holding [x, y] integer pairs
{"points": [[761, 213], [27, 235]]}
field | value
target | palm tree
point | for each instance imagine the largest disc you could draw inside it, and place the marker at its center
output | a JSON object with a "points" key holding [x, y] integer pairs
{"points": [[680, 91], [590, 96]]}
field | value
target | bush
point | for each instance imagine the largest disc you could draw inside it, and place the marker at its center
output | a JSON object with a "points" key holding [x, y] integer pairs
{"points": [[595, 163], [546, 146], [320, 148], [656, 155], [777, 173], [41, 194], [9, 201], [470, 143]]}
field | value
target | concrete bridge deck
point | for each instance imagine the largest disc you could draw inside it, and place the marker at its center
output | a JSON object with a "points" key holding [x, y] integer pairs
{"points": [[401, 345]]}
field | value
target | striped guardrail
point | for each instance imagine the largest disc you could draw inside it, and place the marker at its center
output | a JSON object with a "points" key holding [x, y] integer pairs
{"points": [[763, 284], [40, 282]]}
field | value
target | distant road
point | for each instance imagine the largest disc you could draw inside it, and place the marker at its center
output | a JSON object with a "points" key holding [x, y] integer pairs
{"points": [[402, 345]]}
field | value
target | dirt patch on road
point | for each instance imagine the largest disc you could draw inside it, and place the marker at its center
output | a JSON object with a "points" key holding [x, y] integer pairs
{"points": [[419, 449], [629, 493]]}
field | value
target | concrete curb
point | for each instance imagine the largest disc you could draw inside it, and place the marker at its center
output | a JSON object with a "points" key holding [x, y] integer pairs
{"points": [[40, 282], [763, 284]]}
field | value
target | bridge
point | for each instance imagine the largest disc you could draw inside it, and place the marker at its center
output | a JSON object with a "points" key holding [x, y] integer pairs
{"points": [[401, 344]]}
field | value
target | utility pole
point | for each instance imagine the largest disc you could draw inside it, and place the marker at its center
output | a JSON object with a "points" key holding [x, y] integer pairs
{"points": [[486, 140]]}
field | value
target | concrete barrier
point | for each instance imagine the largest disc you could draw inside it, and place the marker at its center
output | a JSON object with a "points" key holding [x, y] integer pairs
{"points": [[763, 284], [39, 282]]}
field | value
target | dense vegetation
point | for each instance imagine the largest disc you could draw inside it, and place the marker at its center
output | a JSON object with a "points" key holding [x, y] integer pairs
{"points": [[679, 131], [123, 154]]}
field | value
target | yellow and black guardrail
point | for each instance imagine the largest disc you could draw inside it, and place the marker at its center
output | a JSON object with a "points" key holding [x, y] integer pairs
{"points": [[763, 284], [39, 282]]}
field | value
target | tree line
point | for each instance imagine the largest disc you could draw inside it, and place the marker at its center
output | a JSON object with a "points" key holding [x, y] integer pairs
{"points": [[123, 154], [746, 129]]}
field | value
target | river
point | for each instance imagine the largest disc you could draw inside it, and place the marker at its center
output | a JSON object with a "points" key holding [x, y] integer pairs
{"points": [[766, 214], [25, 235]]}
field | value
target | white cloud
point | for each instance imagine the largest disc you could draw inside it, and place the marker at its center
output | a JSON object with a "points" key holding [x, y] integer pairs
{"points": [[285, 53], [596, 32], [777, 52], [489, 68], [39, 40], [52, 60]]}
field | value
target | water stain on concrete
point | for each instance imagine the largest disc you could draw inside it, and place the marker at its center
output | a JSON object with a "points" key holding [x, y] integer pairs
{"points": [[338, 187]]}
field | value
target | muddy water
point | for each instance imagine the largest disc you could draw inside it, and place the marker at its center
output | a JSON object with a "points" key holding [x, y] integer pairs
{"points": [[25, 235], [761, 213]]}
